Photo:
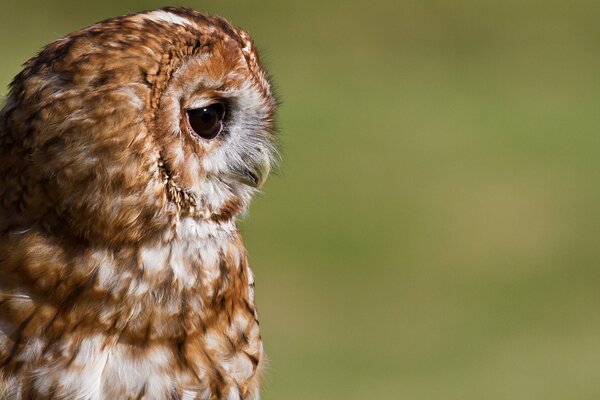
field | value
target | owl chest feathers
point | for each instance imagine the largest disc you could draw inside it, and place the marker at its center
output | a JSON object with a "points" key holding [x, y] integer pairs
{"points": [[169, 319]]}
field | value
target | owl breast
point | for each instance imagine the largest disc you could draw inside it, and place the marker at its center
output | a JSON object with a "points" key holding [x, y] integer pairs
{"points": [[177, 319]]}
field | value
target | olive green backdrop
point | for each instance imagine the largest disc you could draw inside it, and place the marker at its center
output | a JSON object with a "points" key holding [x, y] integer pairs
{"points": [[434, 230]]}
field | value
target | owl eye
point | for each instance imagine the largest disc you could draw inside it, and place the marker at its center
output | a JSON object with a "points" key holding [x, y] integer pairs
{"points": [[206, 122]]}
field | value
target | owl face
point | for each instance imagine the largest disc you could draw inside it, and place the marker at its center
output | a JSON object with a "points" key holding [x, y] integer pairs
{"points": [[215, 124], [137, 121]]}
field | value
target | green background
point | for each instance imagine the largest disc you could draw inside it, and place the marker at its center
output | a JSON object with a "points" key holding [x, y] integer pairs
{"points": [[433, 231]]}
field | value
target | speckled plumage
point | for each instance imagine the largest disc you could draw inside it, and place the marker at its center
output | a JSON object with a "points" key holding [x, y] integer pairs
{"points": [[122, 272]]}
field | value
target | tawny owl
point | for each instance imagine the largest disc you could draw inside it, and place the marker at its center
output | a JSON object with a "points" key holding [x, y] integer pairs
{"points": [[127, 149]]}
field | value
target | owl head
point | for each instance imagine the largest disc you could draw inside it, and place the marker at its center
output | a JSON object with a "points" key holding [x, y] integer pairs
{"points": [[116, 131]]}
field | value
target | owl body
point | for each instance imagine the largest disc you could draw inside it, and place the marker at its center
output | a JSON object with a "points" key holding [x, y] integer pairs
{"points": [[128, 149]]}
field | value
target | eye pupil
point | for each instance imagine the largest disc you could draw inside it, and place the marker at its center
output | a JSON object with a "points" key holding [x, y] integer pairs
{"points": [[206, 122]]}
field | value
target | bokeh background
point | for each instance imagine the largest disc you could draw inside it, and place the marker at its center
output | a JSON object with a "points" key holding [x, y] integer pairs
{"points": [[434, 230]]}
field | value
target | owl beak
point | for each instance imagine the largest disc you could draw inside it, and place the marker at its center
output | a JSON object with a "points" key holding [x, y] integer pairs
{"points": [[256, 170], [257, 174], [263, 169]]}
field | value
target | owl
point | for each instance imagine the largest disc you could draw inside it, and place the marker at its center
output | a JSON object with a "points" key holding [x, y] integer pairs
{"points": [[127, 151]]}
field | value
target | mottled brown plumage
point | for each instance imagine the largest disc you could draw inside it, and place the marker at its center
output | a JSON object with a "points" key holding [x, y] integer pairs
{"points": [[122, 272]]}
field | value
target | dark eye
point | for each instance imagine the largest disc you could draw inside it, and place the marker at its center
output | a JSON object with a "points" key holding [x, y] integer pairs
{"points": [[207, 122]]}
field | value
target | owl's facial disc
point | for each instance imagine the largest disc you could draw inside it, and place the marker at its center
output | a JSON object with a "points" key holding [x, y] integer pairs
{"points": [[214, 126]]}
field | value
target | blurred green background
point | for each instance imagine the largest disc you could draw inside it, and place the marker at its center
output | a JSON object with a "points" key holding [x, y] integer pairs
{"points": [[433, 232]]}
